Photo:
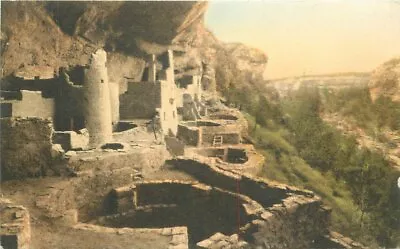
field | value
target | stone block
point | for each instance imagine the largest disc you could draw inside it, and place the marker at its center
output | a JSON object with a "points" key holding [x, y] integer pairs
{"points": [[57, 151]]}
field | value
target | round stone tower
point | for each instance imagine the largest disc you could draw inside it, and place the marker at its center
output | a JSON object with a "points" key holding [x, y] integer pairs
{"points": [[96, 102]]}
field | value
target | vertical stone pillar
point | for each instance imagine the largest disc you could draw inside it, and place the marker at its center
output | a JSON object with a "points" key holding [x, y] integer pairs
{"points": [[170, 70], [96, 103], [114, 101], [152, 69]]}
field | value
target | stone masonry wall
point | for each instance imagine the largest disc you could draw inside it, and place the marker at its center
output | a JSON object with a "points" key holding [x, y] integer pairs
{"points": [[204, 209], [293, 224], [15, 229], [175, 146], [190, 135], [227, 138], [294, 221], [69, 103], [261, 190], [32, 105], [140, 100], [98, 175], [30, 137]]}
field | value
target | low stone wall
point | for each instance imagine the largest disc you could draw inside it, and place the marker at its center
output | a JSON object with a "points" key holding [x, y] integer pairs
{"points": [[259, 189], [337, 241], [98, 175], [146, 159], [230, 132], [295, 224], [220, 240], [175, 146], [155, 193], [15, 229], [250, 160], [229, 116], [219, 152], [294, 221], [233, 155], [203, 135], [30, 137], [163, 192], [227, 138], [205, 210], [71, 139], [168, 237], [208, 174], [190, 135]]}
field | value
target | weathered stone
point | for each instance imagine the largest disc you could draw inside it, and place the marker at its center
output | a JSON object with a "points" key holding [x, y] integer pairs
{"points": [[166, 231], [266, 215], [15, 223], [56, 151], [243, 244], [221, 244], [179, 239], [179, 230], [234, 238], [70, 217], [217, 236], [180, 246], [205, 244], [70, 153]]}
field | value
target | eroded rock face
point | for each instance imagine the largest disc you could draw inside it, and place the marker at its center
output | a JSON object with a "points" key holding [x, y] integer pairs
{"points": [[248, 59], [59, 34], [66, 33], [385, 80]]}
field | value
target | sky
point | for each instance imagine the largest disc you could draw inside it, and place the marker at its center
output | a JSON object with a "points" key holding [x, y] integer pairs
{"points": [[310, 36]]}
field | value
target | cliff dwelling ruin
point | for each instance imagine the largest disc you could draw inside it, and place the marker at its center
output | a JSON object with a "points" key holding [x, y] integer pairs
{"points": [[148, 162]]}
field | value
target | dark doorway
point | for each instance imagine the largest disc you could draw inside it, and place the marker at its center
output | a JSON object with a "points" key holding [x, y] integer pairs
{"points": [[9, 241]]}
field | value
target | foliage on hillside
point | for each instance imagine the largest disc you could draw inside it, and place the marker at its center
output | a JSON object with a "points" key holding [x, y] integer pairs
{"points": [[302, 150], [356, 103], [385, 80]]}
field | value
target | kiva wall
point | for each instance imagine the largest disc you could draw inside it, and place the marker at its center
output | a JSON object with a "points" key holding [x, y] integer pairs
{"points": [[260, 190]]}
